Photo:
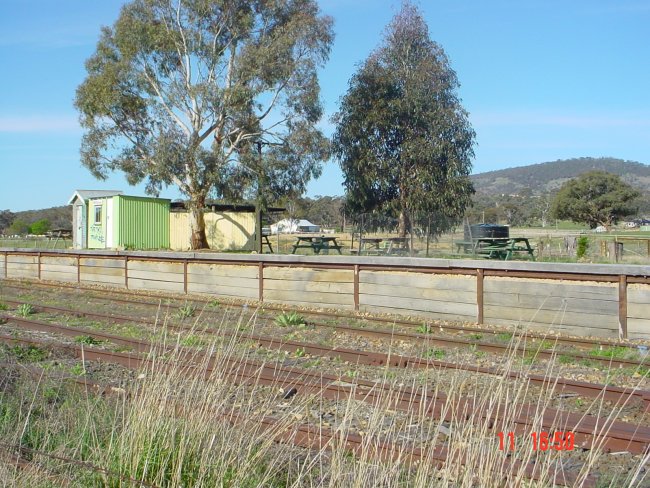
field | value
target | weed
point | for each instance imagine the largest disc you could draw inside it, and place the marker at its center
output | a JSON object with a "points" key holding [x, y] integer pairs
{"points": [[424, 329], [78, 370], [85, 339], [615, 352], [290, 319], [565, 359], [300, 352], [4, 306], [476, 337], [29, 353], [214, 304], [579, 402], [435, 353], [186, 311], [25, 310], [504, 337], [192, 341], [529, 358], [546, 345]]}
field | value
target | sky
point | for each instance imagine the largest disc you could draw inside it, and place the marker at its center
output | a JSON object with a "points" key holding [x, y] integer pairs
{"points": [[542, 80]]}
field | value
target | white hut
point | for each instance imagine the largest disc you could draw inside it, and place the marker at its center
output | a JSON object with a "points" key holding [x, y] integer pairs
{"points": [[292, 226]]}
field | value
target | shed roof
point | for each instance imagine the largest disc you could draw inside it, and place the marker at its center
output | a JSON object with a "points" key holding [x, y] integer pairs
{"points": [[84, 195]]}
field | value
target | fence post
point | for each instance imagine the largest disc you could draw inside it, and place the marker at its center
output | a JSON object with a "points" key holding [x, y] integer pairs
{"points": [[480, 275], [356, 287], [126, 271], [185, 276], [39, 265], [260, 281], [622, 307]]}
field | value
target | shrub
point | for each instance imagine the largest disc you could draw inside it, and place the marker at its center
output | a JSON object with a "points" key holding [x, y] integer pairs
{"points": [[583, 245]]}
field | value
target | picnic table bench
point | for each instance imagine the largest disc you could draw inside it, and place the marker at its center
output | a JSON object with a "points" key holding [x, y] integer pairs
{"points": [[389, 246], [317, 244], [504, 248]]}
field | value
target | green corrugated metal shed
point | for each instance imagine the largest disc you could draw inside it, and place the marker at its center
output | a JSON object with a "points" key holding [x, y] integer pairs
{"points": [[140, 222], [127, 222]]}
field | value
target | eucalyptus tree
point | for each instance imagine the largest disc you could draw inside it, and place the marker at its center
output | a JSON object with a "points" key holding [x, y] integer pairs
{"points": [[181, 92], [403, 139], [595, 198]]}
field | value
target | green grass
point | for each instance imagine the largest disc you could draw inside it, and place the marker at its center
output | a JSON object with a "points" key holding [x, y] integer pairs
{"points": [[4, 306], [614, 352], [504, 337], [475, 336]]}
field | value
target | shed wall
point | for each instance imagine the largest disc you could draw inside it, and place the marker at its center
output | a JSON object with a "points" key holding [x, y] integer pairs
{"points": [[141, 223], [224, 230]]}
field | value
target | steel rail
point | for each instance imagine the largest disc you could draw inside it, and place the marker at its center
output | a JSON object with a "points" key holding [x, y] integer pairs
{"points": [[590, 390], [499, 349], [590, 431]]}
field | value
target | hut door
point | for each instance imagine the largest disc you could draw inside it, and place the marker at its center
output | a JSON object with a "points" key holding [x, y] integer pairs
{"points": [[79, 227], [109, 223]]}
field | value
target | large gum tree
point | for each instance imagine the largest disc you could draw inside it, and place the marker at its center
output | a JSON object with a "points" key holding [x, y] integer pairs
{"points": [[180, 92], [403, 139]]}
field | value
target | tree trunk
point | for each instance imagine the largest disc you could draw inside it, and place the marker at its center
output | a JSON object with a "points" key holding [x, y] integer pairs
{"points": [[198, 239], [403, 224]]}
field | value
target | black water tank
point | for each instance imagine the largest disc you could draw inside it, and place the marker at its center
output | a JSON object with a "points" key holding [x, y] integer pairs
{"points": [[486, 230]]}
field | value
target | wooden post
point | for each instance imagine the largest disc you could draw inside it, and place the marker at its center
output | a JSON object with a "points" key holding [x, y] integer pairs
{"points": [[480, 275], [356, 287], [185, 276], [260, 281], [622, 307]]}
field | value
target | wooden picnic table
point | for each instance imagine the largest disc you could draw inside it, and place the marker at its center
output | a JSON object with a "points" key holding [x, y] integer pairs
{"points": [[370, 245], [317, 244], [398, 246], [503, 248]]}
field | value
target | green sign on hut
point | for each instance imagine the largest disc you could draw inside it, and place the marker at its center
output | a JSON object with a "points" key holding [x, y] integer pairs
{"points": [[104, 219]]}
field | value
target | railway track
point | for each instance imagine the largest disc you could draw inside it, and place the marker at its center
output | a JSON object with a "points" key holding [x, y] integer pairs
{"points": [[390, 335], [590, 390], [318, 438], [118, 296], [589, 430]]}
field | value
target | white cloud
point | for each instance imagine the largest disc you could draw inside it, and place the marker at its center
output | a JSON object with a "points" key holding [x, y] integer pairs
{"points": [[39, 123]]}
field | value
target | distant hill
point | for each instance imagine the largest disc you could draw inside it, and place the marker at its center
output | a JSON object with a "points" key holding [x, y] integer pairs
{"points": [[59, 217], [542, 177]]}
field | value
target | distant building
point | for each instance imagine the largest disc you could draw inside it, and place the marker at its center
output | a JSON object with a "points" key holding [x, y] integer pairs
{"points": [[292, 226]]}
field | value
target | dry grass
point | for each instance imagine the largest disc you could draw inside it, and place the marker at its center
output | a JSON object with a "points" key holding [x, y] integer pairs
{"points": [[187, 426]]}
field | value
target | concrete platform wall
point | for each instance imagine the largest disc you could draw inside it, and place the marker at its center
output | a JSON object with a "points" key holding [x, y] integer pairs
{"points": [[579, 299]]}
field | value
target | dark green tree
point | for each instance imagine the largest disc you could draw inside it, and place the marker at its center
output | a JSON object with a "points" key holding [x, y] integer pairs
{"points": [[403, 139], [181, 92], [18, 227], [595, 198], [6, 218]]}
